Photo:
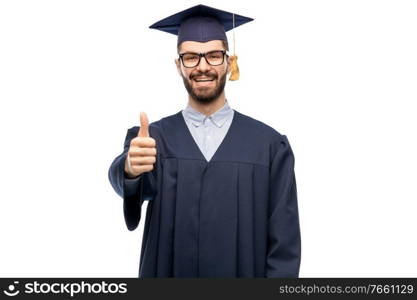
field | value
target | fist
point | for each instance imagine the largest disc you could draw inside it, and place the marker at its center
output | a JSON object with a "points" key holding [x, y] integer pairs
{"points": [[142, 151]]}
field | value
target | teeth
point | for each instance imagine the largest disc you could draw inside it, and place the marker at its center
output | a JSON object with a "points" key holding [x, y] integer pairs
{"points": [[203, 80]]}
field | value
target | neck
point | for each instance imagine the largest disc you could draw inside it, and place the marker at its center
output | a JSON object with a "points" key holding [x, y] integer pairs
{"points": [[208, 108]]}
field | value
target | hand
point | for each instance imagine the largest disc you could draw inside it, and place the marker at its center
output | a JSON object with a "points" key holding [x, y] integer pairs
{"points": [[142, 151]]}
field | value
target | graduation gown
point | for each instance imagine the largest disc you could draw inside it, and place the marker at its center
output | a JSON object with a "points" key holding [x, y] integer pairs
{"points": [[233, 216]]}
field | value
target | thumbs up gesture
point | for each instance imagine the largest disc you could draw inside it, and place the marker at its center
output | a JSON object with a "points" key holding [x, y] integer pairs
{"points": [[142, 151]]}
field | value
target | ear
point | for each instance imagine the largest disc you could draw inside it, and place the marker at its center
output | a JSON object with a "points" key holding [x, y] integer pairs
{"points": [[228, 65], [177, 63]]}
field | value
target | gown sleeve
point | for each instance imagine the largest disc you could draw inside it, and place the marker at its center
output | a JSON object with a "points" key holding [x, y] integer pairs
{"points": [[133, 191], [284, 240]]}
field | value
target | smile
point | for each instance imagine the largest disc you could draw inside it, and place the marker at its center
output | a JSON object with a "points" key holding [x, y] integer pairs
{"points": [[203, 79], [204, 83]]}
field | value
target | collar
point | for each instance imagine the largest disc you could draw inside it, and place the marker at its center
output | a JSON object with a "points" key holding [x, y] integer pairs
{"points": [[218, 118]]}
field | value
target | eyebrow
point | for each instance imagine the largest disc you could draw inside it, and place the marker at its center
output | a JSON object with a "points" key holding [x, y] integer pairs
{"points": [[194, 52]]}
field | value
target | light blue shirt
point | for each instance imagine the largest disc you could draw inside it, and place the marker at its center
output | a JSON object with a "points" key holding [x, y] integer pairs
{"points": [[208, 133]]}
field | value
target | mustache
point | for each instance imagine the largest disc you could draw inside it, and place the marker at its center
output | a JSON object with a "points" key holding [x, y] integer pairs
{"points": [[206, 74]]}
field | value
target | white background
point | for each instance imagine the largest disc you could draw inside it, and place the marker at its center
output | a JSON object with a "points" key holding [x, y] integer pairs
{"points": [[337, 77]]}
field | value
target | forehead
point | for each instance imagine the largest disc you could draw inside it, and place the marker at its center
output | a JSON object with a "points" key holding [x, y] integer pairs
{"points": [[191, 46]]}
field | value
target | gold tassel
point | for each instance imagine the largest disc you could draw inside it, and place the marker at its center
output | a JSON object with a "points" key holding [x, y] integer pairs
{"points": [[234, 75]]}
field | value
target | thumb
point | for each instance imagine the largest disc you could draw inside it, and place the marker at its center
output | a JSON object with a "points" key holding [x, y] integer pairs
{"points": [[144, 125]]}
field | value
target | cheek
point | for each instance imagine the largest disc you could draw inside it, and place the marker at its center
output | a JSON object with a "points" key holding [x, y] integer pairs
{"points": [[186, 73], [221, 73]]}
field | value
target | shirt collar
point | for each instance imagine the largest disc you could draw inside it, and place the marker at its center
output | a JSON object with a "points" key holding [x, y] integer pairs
{"points": [[218, 118]]}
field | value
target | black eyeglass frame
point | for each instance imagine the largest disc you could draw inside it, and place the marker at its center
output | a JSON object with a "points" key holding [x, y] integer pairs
{"points": [[200, 55]]}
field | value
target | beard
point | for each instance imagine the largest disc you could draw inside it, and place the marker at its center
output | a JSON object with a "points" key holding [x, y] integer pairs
{"points": [[205, 95]]}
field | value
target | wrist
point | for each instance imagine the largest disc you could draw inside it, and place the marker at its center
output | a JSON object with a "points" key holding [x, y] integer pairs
{"points": [[130, 176]]}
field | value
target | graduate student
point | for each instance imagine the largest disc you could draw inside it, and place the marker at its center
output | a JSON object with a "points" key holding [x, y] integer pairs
{"points": [[220, 185]]}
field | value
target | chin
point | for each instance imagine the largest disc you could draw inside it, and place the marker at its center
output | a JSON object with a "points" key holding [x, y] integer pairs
{"points": [[205, 95]]}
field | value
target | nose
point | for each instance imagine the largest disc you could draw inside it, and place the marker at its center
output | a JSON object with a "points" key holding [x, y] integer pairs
{"points": [[203, 65]]}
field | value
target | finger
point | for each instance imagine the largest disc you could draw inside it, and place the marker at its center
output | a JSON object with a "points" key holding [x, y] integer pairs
{"points": [[142, 152], [142, 160], [146, 142], [141, 169], [144, 125]]}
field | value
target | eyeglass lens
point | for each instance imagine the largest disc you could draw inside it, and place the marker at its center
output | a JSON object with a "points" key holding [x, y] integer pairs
{"points": [[213, 58]]}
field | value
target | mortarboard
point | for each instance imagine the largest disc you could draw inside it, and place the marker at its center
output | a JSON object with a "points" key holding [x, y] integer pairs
{"points": [[202, 23]]}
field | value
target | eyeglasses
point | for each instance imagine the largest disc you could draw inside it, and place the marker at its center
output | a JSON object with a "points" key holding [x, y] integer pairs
{"points": [[213, 58]]}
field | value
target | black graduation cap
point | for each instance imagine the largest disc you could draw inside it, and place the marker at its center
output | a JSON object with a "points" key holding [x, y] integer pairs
{"points": [[202, 23]]}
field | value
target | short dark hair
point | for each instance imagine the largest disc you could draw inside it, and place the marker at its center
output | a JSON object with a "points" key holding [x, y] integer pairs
{"points": [[225, 45]]}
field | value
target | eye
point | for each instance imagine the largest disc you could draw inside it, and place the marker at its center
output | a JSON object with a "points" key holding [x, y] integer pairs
{"points": [[190, 57], [215, 55]]}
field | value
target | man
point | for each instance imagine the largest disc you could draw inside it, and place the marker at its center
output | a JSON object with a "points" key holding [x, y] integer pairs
{"points": [[221, 186]]}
